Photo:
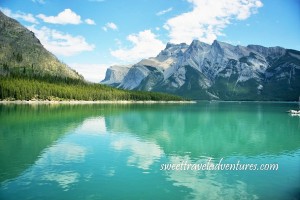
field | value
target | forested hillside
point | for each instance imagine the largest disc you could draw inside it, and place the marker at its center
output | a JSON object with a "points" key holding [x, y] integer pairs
{"points": [[21, 53]]}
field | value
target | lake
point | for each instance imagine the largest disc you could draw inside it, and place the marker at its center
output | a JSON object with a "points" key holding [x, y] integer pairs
{"points": [[143, 151]]}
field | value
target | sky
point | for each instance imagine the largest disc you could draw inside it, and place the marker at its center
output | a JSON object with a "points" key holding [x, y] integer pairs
{"points": [[91, 35]]}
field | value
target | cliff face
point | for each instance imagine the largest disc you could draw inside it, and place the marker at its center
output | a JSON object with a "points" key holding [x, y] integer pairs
{"points": [[115, 74], [219, 71], [21, 53]]}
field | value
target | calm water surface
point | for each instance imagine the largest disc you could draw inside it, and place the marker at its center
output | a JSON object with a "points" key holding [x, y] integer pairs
{"points": [[116, 151]]}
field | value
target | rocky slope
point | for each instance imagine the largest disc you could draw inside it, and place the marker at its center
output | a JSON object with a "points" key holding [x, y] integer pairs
{"points": [[21, 53], [115, 74], [218, 71]]}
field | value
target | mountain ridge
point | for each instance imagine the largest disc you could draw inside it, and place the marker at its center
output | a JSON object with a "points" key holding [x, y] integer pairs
{"points": [[219, 71], [22, 54]]}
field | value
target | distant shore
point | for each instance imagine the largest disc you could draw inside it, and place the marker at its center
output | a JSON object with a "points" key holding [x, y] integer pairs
{"points": [[92, 102]]}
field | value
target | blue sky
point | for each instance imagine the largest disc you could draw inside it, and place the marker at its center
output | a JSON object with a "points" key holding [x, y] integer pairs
{"points": [[91, 35]]}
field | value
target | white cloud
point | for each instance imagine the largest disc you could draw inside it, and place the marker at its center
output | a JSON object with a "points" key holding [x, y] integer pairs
{"points": [[208, 19], [19, 15], [65, 17], [61, 43], [164, 11], [91, 71], [39, 1], [90, 22], [110, 25], [145, 44]]}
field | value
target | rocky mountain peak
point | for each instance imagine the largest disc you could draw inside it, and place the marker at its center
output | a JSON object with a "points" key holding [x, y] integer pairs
{"points": [[172, 50], [198, 45], [219, 71], [265, 51]]}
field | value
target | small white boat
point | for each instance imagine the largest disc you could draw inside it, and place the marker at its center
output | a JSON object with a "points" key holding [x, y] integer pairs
{"points": [[294, 113]]}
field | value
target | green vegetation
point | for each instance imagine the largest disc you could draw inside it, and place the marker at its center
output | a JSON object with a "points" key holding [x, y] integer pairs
{"points": [[21, 88], [21, 53]]}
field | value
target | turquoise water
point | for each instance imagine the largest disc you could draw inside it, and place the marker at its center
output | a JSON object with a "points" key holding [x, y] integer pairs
{"points": [[117, 151]]}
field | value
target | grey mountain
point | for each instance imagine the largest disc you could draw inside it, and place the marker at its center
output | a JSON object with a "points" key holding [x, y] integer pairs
{"points": [[218, 71], [115, 74]]}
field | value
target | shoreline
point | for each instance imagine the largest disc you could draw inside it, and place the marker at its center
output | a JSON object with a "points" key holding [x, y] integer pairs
{"points": [[74, 102]]}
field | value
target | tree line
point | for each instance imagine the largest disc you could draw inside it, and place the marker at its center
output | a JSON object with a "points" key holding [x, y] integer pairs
{"points": [[22, 88]]}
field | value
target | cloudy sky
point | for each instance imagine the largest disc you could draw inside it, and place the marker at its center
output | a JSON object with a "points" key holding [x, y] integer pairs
{"points": [[91, 35]]}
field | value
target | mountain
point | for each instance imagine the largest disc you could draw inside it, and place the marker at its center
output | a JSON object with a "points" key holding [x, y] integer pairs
{"points": [[115, 74], [22, 54], [218, 71]]}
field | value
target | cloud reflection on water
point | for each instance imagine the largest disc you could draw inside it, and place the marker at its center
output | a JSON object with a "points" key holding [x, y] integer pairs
{"points": [[143, 153]]}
